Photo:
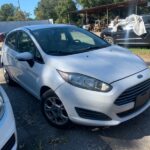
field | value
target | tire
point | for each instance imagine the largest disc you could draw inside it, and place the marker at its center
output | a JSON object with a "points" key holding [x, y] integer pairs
{"points": [[54, 110], [7, 77], [109, 39]]}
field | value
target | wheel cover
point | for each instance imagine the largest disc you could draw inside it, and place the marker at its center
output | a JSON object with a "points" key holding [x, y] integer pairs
{"points": [[55, 111], [109, 40]]}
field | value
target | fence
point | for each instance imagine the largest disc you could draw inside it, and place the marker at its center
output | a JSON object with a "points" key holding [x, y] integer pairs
{"points": [[6, 26]]}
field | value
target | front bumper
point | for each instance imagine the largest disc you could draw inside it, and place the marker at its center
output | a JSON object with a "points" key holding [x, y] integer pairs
{"points": [[8, 136], [73, 97]]}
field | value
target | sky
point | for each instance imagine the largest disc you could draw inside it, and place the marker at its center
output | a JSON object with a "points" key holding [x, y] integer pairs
{"points": [[26, 5]]}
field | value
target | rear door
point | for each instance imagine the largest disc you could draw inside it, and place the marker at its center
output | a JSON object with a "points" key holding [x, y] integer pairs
{"points": [[145, 39], [125, 35], [9, 52]]}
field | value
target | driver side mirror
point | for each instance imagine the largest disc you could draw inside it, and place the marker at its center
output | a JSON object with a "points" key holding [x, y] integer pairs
{"points": [[26, 56]]}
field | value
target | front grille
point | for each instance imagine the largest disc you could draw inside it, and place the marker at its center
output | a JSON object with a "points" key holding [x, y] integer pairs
{"points": [[93, 115], [10, 143], [130, 94]]}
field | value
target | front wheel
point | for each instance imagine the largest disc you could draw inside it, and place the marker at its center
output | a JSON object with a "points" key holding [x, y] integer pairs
{"points": [[54, 110], [109, 39]]}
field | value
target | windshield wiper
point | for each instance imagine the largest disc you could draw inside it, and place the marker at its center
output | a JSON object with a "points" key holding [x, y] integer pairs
{"points": [[93, 48], [61, 53]]}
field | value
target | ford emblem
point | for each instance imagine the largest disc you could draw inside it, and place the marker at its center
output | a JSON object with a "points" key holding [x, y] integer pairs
{"points": [[139, 76]]}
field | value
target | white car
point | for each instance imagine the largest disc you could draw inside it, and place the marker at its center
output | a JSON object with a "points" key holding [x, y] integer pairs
{"points": [[8, 138], [78, 76]]}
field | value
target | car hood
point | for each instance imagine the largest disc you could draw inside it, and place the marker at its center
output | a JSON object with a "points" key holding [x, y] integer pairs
{"points": [[106, 64]]}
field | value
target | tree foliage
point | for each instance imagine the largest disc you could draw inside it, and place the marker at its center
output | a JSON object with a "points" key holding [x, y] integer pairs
{"points": [[20, 15], [8, 12], [62, 10], [93, 3], [56, 9], [46, 9]]}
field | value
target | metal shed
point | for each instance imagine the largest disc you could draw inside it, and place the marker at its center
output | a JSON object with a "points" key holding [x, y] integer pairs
{"points": [[107, 8]]}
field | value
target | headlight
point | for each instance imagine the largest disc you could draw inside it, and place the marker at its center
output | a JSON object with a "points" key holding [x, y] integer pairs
{"points": [[1, 107], [85, 82]]}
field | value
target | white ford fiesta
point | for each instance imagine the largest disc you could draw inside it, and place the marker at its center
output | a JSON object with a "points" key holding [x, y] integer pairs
{"points": [[78, 76], [8, 140]]}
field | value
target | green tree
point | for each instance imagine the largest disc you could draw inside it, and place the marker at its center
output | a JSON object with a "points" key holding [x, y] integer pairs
{"points": [[56, 9], [20, 15], [63, 9], [46, 9], [7, 12], [94, 3], [117, 1]]}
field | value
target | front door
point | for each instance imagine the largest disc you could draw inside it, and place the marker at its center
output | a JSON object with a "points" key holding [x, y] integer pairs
{"points": [[30, 74]]}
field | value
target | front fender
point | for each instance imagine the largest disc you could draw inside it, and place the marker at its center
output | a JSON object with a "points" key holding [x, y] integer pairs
{"points": [[50, 78]]}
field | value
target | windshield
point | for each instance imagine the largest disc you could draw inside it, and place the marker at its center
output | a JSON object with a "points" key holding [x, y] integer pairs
{"points": [[67, 40]]}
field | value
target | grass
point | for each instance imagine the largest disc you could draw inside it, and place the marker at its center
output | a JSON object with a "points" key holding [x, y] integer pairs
{"points": [[142, 52]]}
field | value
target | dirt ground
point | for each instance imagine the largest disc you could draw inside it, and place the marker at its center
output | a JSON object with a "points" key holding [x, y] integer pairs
{"points": [[146, 58], [0, 45]]}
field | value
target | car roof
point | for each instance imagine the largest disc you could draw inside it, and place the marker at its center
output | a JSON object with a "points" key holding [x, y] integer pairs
{"points": [[43, 26]]}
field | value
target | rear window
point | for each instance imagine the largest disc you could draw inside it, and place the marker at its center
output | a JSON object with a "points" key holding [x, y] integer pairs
{"points": [[146, 19], [11, 40]]}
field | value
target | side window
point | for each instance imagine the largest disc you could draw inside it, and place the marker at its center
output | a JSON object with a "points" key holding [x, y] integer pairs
{"points": [[146, 19], [63, 37], [11, 40], [25, 43], [78, 36]]}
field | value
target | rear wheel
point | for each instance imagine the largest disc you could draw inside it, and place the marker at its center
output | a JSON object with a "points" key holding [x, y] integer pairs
{"points": [[7, 77], [54, 110], [109, 39]]}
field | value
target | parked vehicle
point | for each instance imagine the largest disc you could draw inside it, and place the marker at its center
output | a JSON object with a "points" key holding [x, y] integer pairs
{"points": [[8, 138], [78, 76], [126, 36], [2, 36]]}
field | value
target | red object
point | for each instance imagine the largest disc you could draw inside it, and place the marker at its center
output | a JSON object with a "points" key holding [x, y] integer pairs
{"points": [[2, 37]]}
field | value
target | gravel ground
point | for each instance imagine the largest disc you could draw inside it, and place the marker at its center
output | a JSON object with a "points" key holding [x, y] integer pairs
{"points": [[34, 133]]}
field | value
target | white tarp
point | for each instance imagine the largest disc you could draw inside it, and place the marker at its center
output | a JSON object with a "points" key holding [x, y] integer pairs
{"points": [[138, 24], [135, 22]]}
